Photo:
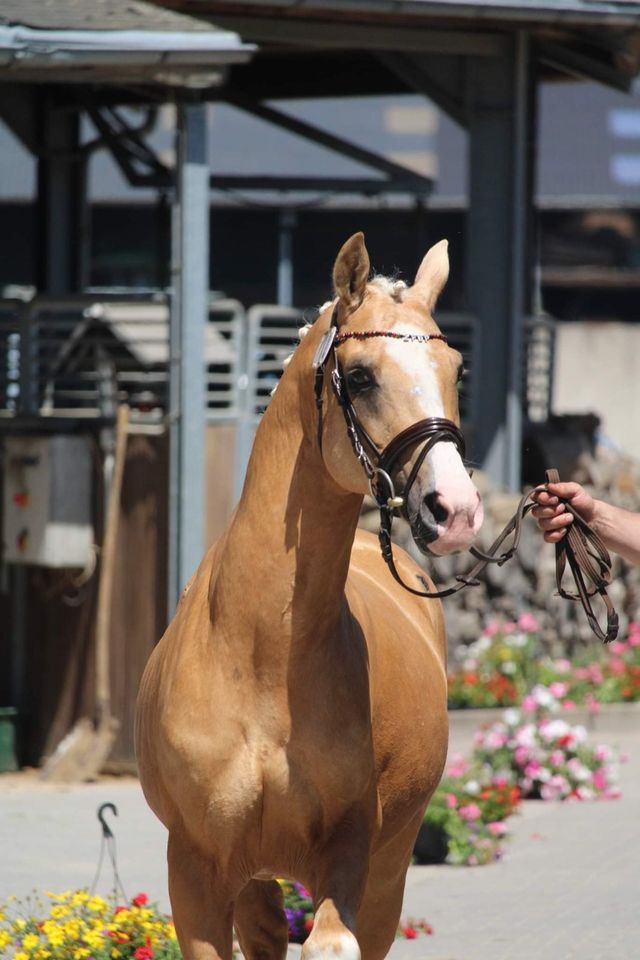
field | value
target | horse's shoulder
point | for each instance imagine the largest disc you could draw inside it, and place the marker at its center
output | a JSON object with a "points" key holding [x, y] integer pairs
{"points": [[367, 558]]}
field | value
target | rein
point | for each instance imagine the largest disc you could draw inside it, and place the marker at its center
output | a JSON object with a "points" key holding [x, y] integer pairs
{"points": [[581, 548]]}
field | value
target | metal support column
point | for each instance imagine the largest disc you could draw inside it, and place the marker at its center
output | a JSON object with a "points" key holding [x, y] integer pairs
{"points": [[63, 244], [286, 224], [500, 100], [190, 283]]}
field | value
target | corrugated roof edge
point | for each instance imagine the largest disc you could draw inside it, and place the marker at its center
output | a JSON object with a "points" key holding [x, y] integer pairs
{"points": [[617, 13]]}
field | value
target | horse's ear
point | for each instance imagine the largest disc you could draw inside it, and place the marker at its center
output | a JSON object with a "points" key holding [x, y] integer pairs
{"points": [[351, 271], [432, 274]]}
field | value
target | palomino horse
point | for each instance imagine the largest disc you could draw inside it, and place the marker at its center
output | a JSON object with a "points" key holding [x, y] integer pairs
{"points": [[292, 721]]}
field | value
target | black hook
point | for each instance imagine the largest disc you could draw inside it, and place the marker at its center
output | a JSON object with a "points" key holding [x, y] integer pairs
{"points": [[106, 829]]}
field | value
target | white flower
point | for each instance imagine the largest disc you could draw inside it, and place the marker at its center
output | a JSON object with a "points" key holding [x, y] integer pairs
{"points": [[518, 639], [553, 730], [509, 667], [511, 717], [543, 697], [579, 734], [526, 735], [472, 787]]}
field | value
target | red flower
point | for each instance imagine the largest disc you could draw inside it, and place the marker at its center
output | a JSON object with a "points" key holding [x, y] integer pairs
{"points": [[143, 953], [308, 924], [140, 900], [410, 933]]}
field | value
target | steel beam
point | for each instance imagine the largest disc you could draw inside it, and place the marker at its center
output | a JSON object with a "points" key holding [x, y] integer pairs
{"points": [[439, 78], [189, 304], [325, 139], [500, 96]]}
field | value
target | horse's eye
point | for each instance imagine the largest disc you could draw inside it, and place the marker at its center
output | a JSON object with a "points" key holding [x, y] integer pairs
{"points": [[461, 372], [359, 379]]}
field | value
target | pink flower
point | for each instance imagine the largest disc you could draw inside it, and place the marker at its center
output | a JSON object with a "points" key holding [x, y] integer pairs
{"points": [[563, 666], [617, 666], [568, 704], [599, 780], [613, 793], [498, 828], [595, 674], [556, 758], [458, 765], [528, 623], [470, 812], [592, 705], [509, 627], [521, 755], [452, 800], [558, 689], [491, 628], [497, 739], [634, 640], [472, 860], [529, 704], [618, 647], [532, 769]]}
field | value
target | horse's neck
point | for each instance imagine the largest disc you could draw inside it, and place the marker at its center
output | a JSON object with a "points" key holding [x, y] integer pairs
{"points": [[286, 556]]}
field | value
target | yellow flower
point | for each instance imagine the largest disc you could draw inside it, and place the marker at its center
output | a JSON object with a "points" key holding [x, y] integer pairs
{"points": [[21, 955], [5, 939], [53, 933], [96, 904], [19, 923], [94, 939], [60, 912], [30, 941], [42, 954], [81, 953]]}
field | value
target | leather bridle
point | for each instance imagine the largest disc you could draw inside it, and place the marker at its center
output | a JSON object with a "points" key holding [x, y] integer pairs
{"points": [[581, 548]]}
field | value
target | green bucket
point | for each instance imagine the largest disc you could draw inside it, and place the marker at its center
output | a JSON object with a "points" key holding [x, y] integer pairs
{"points": [[8, 720]]}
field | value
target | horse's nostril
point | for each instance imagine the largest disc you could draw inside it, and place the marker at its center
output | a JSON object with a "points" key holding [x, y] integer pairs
{"points": [[436, 508]]}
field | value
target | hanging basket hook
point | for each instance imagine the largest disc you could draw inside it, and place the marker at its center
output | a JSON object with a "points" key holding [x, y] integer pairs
{"points": [[106, 829]]}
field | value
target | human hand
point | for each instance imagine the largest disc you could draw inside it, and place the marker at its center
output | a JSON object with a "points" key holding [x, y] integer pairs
{"points": [[552, 516]]}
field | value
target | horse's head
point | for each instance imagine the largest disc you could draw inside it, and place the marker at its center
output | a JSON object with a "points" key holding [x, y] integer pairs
{"points": [[393, 383]]}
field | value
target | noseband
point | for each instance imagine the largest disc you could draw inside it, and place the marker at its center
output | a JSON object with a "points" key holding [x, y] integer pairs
{"points": [[581, 549]]}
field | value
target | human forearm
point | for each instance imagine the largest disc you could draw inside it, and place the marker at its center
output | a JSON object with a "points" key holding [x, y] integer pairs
{"points": [[619, 530]]}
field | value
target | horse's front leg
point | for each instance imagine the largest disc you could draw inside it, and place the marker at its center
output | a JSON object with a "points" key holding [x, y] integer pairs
{"points": [[201, 902], [340, 877]]}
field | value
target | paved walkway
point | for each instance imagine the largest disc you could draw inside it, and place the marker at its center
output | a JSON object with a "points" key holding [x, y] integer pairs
{"points": [[569, 886]]}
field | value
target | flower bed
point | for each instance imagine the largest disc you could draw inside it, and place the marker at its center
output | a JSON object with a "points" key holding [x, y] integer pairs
{"points": [[298, 907], [471, 806], [543, 755], [507, 661], [76, 925]]}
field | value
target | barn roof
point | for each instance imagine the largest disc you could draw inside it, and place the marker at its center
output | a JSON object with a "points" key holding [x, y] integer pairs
{"points": [[111, 41]]}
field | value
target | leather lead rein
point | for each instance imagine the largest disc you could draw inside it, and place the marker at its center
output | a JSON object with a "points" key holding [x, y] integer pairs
{"points": [[581, 549]]}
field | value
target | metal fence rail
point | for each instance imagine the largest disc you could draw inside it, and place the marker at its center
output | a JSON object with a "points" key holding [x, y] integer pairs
{"points": [[74, 357]]}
